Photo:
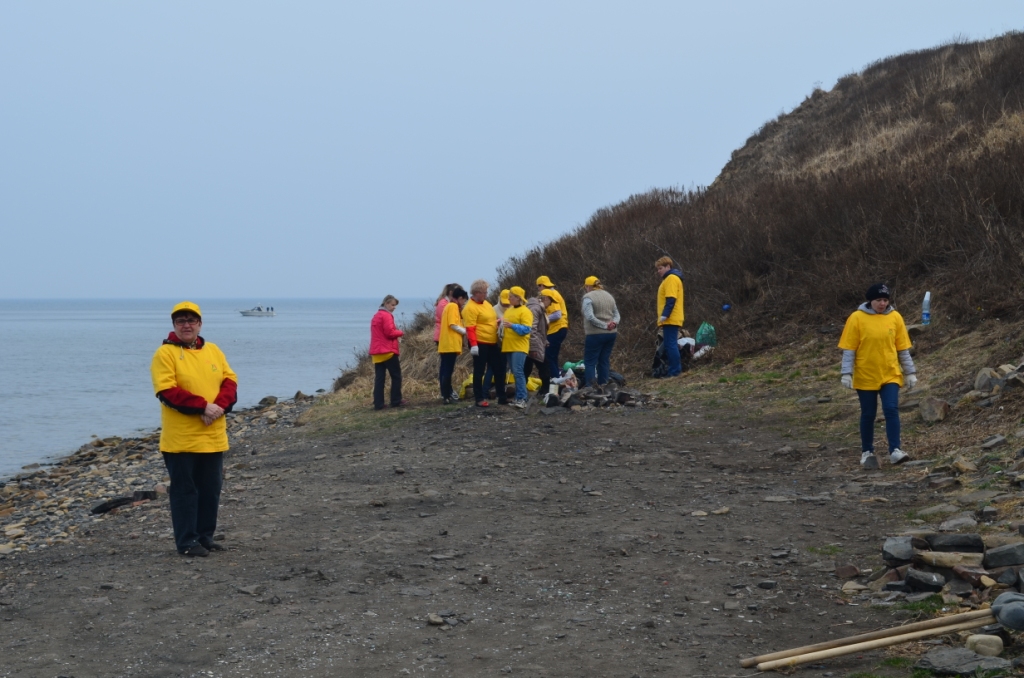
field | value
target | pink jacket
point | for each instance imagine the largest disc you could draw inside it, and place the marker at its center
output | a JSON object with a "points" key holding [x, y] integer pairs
{"points": [[438, 314], [383, 333]]}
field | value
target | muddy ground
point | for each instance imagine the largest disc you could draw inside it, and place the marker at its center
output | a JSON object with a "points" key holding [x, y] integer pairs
{"points": [[550, 545]]}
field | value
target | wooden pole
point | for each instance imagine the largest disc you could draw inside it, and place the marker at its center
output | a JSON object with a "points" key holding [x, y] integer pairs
{"points": [[872, 635], [872, 644]]}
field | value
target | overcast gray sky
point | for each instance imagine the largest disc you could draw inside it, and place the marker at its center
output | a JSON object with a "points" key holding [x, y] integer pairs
{"points": [[336, 149]]}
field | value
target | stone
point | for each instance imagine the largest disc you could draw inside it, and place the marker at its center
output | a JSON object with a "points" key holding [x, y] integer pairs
{"points": [[269, 400], [253, 590], [993, 441], [1015, 381], [986, 646], [959, 661], [852, 587], [435, 619], [974, 498], [1005, 370], [964, 521], [848, 571], [959, 543], [898, 586], [933, 409], [699, 514], [731, 605], [1008, 576], [970, 575], [898, 550], [1002, 556], [919, 580], [721, 512], [988, 513], [937, 510], [767, 584], [417, 591], [942, 483], [961, 588], [986, 379], [964, 465], [948, 559]]}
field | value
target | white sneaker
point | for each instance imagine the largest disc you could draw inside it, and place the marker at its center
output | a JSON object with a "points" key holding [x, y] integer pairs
{"points": [[454, 396], [869, 461], [519, 404], [898, 456]]}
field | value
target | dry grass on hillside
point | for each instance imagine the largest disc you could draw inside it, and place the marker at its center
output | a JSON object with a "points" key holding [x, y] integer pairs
{"points": [[911, 172]]}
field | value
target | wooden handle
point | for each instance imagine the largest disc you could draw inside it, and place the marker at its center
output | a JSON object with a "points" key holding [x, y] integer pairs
{"points": [[872, 644], [872, 635]]}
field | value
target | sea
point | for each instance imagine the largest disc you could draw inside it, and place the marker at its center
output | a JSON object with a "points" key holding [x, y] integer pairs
{"points": [[73, 369]]}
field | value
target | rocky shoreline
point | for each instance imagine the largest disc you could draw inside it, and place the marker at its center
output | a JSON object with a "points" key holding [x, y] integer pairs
{"points": [[45, 505]]}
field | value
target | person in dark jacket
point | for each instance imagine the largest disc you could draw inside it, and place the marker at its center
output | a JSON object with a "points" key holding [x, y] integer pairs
{"points": [[384, 337]]}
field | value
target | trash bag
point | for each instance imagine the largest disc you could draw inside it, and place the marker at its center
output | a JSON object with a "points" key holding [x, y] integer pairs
{"points": [[706, 334]]}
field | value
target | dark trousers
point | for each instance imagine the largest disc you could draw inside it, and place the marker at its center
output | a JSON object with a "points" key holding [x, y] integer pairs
{"points": [[551, 352], [890, 396], [542, 371], [492, 357], [380, 371], [671, 338], [196, 481], [445, 373], [597, 357]]}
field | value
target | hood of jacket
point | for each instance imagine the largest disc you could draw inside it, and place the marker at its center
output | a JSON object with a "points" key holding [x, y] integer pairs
{"points": [[172, 338], [866, 307], [674, 271]]}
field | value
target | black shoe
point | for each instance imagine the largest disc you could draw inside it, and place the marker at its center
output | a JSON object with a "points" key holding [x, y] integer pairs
{"points": [[196, 550], [211, 545]]}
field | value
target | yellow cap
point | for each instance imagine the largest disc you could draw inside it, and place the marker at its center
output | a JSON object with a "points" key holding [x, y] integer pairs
{"points": [[504, 297], [591, 281], [545, 281], [186, 306], [550, 294], [518, 291]]}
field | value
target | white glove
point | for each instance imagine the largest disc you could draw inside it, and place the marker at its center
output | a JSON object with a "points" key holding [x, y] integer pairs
{"points": [[910, 380], [474, 350], [847, 380]]}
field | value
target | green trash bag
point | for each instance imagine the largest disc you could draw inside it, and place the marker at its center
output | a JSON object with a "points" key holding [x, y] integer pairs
{"points": [[706, 334]]}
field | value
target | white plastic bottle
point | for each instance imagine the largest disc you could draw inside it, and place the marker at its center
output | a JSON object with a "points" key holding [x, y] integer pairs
{"points": [[926, 309]]}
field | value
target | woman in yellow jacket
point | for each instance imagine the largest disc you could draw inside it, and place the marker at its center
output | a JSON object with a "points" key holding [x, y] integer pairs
{"points": [[558, 323], [449, 344], [877, 362], [516, 341]]}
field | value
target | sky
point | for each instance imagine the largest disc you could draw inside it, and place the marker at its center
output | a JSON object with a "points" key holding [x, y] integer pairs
{"points": [[269, 150]]}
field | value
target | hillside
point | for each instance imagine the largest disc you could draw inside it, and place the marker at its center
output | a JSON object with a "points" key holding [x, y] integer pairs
{"points": [[909, 172]]}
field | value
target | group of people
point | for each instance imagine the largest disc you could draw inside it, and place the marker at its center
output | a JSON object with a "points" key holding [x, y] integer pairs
{"points": [[197, 387], [516, 335]]}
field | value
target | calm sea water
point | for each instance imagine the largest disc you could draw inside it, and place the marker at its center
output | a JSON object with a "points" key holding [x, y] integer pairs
{"points": [[75, 368]]}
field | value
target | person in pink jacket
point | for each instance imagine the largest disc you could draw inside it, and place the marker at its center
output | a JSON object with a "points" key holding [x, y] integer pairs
{"points": [[384, 354]]}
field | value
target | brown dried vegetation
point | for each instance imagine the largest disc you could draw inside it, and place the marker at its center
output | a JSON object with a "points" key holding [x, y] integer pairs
{"points": [[910, 172]]}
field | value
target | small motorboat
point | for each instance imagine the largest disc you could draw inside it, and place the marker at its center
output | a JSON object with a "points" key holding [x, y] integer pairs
{"points": [[259, 312]]}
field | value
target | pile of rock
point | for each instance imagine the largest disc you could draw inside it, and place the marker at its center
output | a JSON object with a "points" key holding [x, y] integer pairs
{"points": [[990, 383], [959, 567], [609, 395], [47, 505]]}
